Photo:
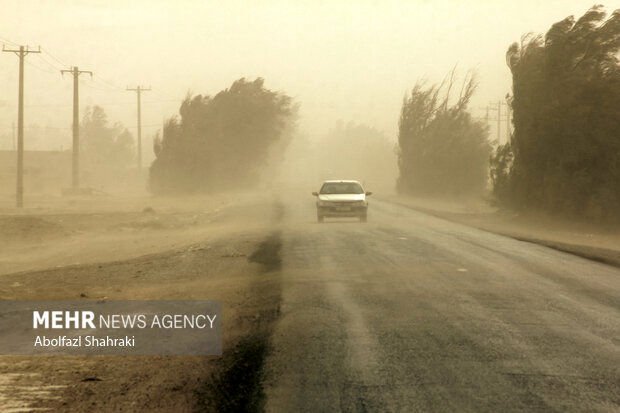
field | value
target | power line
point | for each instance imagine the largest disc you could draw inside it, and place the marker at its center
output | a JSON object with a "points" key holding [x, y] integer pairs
{"points": [[166, 96], [39, 68], [497, 106], [52, 65], [97, 87], [110, 84], [8, 41], [55, 58], [103, 85], [96, 82], [101, 81], [107, 85]]}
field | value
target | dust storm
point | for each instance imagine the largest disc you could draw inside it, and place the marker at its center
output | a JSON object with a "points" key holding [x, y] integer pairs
{"points": [[401, 206]]}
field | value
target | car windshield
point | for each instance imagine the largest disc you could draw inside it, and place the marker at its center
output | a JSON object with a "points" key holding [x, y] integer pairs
{"points": [[342, 188]]}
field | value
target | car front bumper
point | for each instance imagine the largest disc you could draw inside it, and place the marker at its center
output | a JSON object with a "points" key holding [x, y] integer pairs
{"points": [[341, 211]]}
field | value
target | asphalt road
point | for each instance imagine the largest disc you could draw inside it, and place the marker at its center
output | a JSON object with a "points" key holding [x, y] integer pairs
{"points": [[407, 312], [413, 313]]}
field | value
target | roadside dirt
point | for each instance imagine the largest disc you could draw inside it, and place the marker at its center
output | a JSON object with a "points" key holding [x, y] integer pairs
{"points": [[237, 383], [82, 231], [595, 242], [236, 261]]}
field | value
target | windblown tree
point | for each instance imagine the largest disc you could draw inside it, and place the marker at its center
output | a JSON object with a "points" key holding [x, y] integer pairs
{"points": [[223, 141], [564, 154], [443, 151], [104, 147]]}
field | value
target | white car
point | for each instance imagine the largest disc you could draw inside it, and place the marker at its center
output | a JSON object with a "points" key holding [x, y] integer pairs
{"points": [[341, 199]]}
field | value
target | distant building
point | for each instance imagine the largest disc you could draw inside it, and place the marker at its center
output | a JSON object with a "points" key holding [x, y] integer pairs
{"points": [[44, 171]]}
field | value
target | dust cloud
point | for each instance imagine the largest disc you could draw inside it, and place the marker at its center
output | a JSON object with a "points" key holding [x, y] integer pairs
{"points": [[202, 186]]}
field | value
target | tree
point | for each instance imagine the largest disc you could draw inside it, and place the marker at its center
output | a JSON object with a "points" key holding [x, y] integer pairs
{"points": [[104, 147], [566, 113], [221, 141], [499, 168], [443, 151]]}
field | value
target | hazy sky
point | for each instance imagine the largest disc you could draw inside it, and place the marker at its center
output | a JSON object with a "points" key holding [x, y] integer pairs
{"points": [[350, 60]]}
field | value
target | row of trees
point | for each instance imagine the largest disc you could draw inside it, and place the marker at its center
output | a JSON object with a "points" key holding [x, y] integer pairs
{"points": [[224, 141], [564, 155], [229, 140], [443, 151]]}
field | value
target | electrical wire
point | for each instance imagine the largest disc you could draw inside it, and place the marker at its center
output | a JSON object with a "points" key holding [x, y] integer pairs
{"points": [[100, 85], [91, 86], [47, 62], [96, 82], [108, 83], [63, 64], [166, 96], [8, 41], [38, 67]]}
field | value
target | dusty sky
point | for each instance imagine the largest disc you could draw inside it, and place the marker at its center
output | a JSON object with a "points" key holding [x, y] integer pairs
{"points": [[351, 60]]}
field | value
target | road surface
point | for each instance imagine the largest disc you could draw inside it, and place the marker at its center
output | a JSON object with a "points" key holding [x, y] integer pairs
{"points": [[414, 313], [404, 313]]}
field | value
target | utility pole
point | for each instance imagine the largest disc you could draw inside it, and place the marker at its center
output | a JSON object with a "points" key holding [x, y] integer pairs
{"points": [[492, 107], [499, 120], [14, 142], [75, 177], [21, 53], [507, 122], [139, 91]]}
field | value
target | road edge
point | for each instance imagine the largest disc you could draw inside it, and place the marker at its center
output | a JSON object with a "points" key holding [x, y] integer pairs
{"points": [[602, 255]]}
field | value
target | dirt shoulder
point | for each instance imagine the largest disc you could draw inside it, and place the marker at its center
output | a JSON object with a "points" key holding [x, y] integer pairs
{"points": [[221, 270], [232, 257], [58, 231], [590, 241]]}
